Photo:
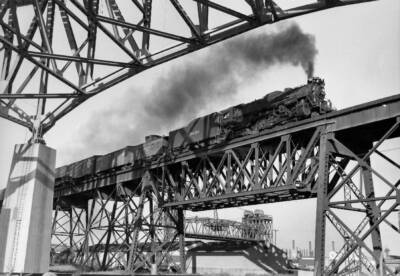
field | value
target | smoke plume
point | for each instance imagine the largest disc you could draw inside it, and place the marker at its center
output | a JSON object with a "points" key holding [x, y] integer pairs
{"points": [[183, 92]]}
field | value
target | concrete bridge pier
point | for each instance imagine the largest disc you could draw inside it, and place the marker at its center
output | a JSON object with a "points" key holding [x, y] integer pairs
{"points": [[25, 218]]}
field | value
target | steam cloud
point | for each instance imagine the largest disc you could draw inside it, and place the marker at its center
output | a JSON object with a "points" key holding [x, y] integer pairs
{"points": [[182, 93]]}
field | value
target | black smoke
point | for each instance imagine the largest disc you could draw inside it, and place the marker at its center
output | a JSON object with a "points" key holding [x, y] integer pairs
{"points": [[289, 46], [203, 80], [184, 90]]}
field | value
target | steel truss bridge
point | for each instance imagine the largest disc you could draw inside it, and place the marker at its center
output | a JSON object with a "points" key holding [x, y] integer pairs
{"points": [[70, 224], [323, 158], [327, 158], [227, 230]]}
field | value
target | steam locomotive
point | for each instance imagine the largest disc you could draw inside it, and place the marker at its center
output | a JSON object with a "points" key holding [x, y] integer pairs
{"points": [[274, 109]]}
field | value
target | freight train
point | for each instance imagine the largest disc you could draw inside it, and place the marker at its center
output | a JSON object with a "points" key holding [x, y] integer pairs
{"points": [[276, 108]]}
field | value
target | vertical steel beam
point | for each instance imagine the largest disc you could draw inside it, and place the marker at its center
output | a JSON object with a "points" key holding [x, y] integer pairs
{"points": [[152, 232], [373, 211], [8, 35], [112, 15], [182, 182], [46, 29], [127, 229], [30, 34], [181, 233], [194, 263], [229, 174], [146, 23], [89, 218], [180, 224], [259, 9], [202, 11], [41, 107], [256, 164], [288, 160], [93, 7], [110, 229], [322, 204], [71, 228], [72, 43], [269, 165], [137, 225]]}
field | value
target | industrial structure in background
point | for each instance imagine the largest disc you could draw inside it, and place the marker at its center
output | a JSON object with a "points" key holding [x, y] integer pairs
{"points": [[135, 212], [105, 246]]}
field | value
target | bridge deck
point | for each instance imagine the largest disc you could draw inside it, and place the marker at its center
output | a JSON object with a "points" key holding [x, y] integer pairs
{"points": [[366, 121]]}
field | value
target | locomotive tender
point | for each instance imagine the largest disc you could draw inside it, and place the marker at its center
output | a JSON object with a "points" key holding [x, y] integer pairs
{"points": [[274, 109]]}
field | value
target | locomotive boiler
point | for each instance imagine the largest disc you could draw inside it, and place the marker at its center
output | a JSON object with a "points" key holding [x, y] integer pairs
{"points": [[276, 108], [279, 107]]}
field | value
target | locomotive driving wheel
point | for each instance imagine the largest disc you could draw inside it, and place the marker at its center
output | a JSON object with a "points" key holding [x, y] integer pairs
{"points": [[303, 109]]}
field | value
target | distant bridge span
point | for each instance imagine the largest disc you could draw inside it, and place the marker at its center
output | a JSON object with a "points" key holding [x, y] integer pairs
{"points": [[322, 157]]}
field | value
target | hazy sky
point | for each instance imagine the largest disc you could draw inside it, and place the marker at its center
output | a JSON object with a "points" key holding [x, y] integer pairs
{"points": [[358, 56]]}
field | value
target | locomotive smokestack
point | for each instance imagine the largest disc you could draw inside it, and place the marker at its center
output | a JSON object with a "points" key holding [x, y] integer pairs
{"points": [[310, 70]]}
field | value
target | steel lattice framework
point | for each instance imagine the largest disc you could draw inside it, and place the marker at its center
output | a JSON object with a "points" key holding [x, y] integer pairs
{"points": [[223, 229], [118, 227], [328, 158], [72, 50], [109, 228], [57, 54]]}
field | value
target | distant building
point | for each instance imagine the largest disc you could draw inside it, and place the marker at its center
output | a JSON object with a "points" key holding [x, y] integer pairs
{"points": [[260, 221]]}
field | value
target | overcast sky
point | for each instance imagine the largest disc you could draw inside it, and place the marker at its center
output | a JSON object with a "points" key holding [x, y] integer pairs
{"points": [[358, 56]]}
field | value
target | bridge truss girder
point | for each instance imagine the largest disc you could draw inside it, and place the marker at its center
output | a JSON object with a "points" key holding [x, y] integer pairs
{"points": [[320, 163], [121, 227], [69, 75], [281, 168], [317, 161], [227, 230], [125, 227], [349, 162]]}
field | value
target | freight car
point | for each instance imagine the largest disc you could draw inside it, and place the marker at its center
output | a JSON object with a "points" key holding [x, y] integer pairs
{"points": [[154, 147], [128, 156], [274, 109], [77, 170], [199, 130]]}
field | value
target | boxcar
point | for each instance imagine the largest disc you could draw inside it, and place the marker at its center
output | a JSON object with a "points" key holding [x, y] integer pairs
{"points": [[199, 130], [83, 168], [62, 172], [154, 145], [134, 155], [130, 155]]}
